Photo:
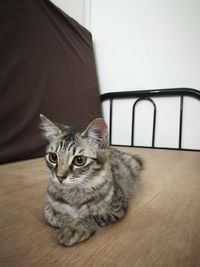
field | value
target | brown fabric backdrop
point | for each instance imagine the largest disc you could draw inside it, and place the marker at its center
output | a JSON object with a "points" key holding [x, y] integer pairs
{"points": [[46, 66]]}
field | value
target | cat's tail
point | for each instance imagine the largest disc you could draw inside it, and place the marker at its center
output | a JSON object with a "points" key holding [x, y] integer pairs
{"points": [[139, 161]]}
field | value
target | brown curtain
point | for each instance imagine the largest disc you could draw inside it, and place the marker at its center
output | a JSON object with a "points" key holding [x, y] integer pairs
{"points": [[47, 66]]}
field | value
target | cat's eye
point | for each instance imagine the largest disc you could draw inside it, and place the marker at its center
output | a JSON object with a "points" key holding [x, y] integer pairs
{"points": [[53, 157], [79, 161]]}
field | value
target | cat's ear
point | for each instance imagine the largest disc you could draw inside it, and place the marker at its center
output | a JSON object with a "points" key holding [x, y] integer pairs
{"points": [[50, 129], [97, 132]]}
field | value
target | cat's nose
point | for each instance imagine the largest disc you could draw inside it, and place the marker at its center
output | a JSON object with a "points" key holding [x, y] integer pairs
{"points": [[61, 178], [62, 174]]}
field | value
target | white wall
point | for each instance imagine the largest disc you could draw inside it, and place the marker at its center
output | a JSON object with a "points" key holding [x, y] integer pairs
{"points": [[146, 44], [142, 44], [76, 9]]}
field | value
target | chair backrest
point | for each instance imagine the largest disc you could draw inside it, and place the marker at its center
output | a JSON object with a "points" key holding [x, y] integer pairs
{"points": [[149, 95]]}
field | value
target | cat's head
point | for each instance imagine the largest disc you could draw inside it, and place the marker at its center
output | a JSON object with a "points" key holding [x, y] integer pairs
{"points": [[74, 156]]}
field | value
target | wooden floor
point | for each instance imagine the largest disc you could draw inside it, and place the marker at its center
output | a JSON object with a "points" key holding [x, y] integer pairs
{"points": [[162, 227]]}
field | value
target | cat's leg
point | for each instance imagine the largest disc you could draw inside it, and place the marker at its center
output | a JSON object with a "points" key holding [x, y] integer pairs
{"points": [[52, 217], [77, 231], [118, 206]]}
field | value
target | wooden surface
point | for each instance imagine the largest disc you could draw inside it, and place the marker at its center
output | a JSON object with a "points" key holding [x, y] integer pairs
{"points": [[162, 227]]}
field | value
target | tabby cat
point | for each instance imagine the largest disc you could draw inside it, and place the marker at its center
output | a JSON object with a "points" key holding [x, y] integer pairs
{"points": [[90, 183]]}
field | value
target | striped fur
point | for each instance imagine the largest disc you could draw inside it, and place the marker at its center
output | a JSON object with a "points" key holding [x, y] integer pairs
{"points": [[91, 196]]}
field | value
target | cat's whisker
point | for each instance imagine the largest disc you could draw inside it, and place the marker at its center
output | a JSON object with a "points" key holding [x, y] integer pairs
{"points": [[39, 178]]}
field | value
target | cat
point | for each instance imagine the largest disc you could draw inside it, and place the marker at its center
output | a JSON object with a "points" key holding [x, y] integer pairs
{"points": [[90, 183]]}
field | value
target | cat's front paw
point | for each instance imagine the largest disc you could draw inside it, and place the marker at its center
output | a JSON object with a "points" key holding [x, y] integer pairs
{"points": [[71, 235], [53, 218]]}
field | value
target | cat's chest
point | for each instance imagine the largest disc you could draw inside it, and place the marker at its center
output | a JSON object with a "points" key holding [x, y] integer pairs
{"points": [[69, 209], [78, 205], [78, 211]]}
